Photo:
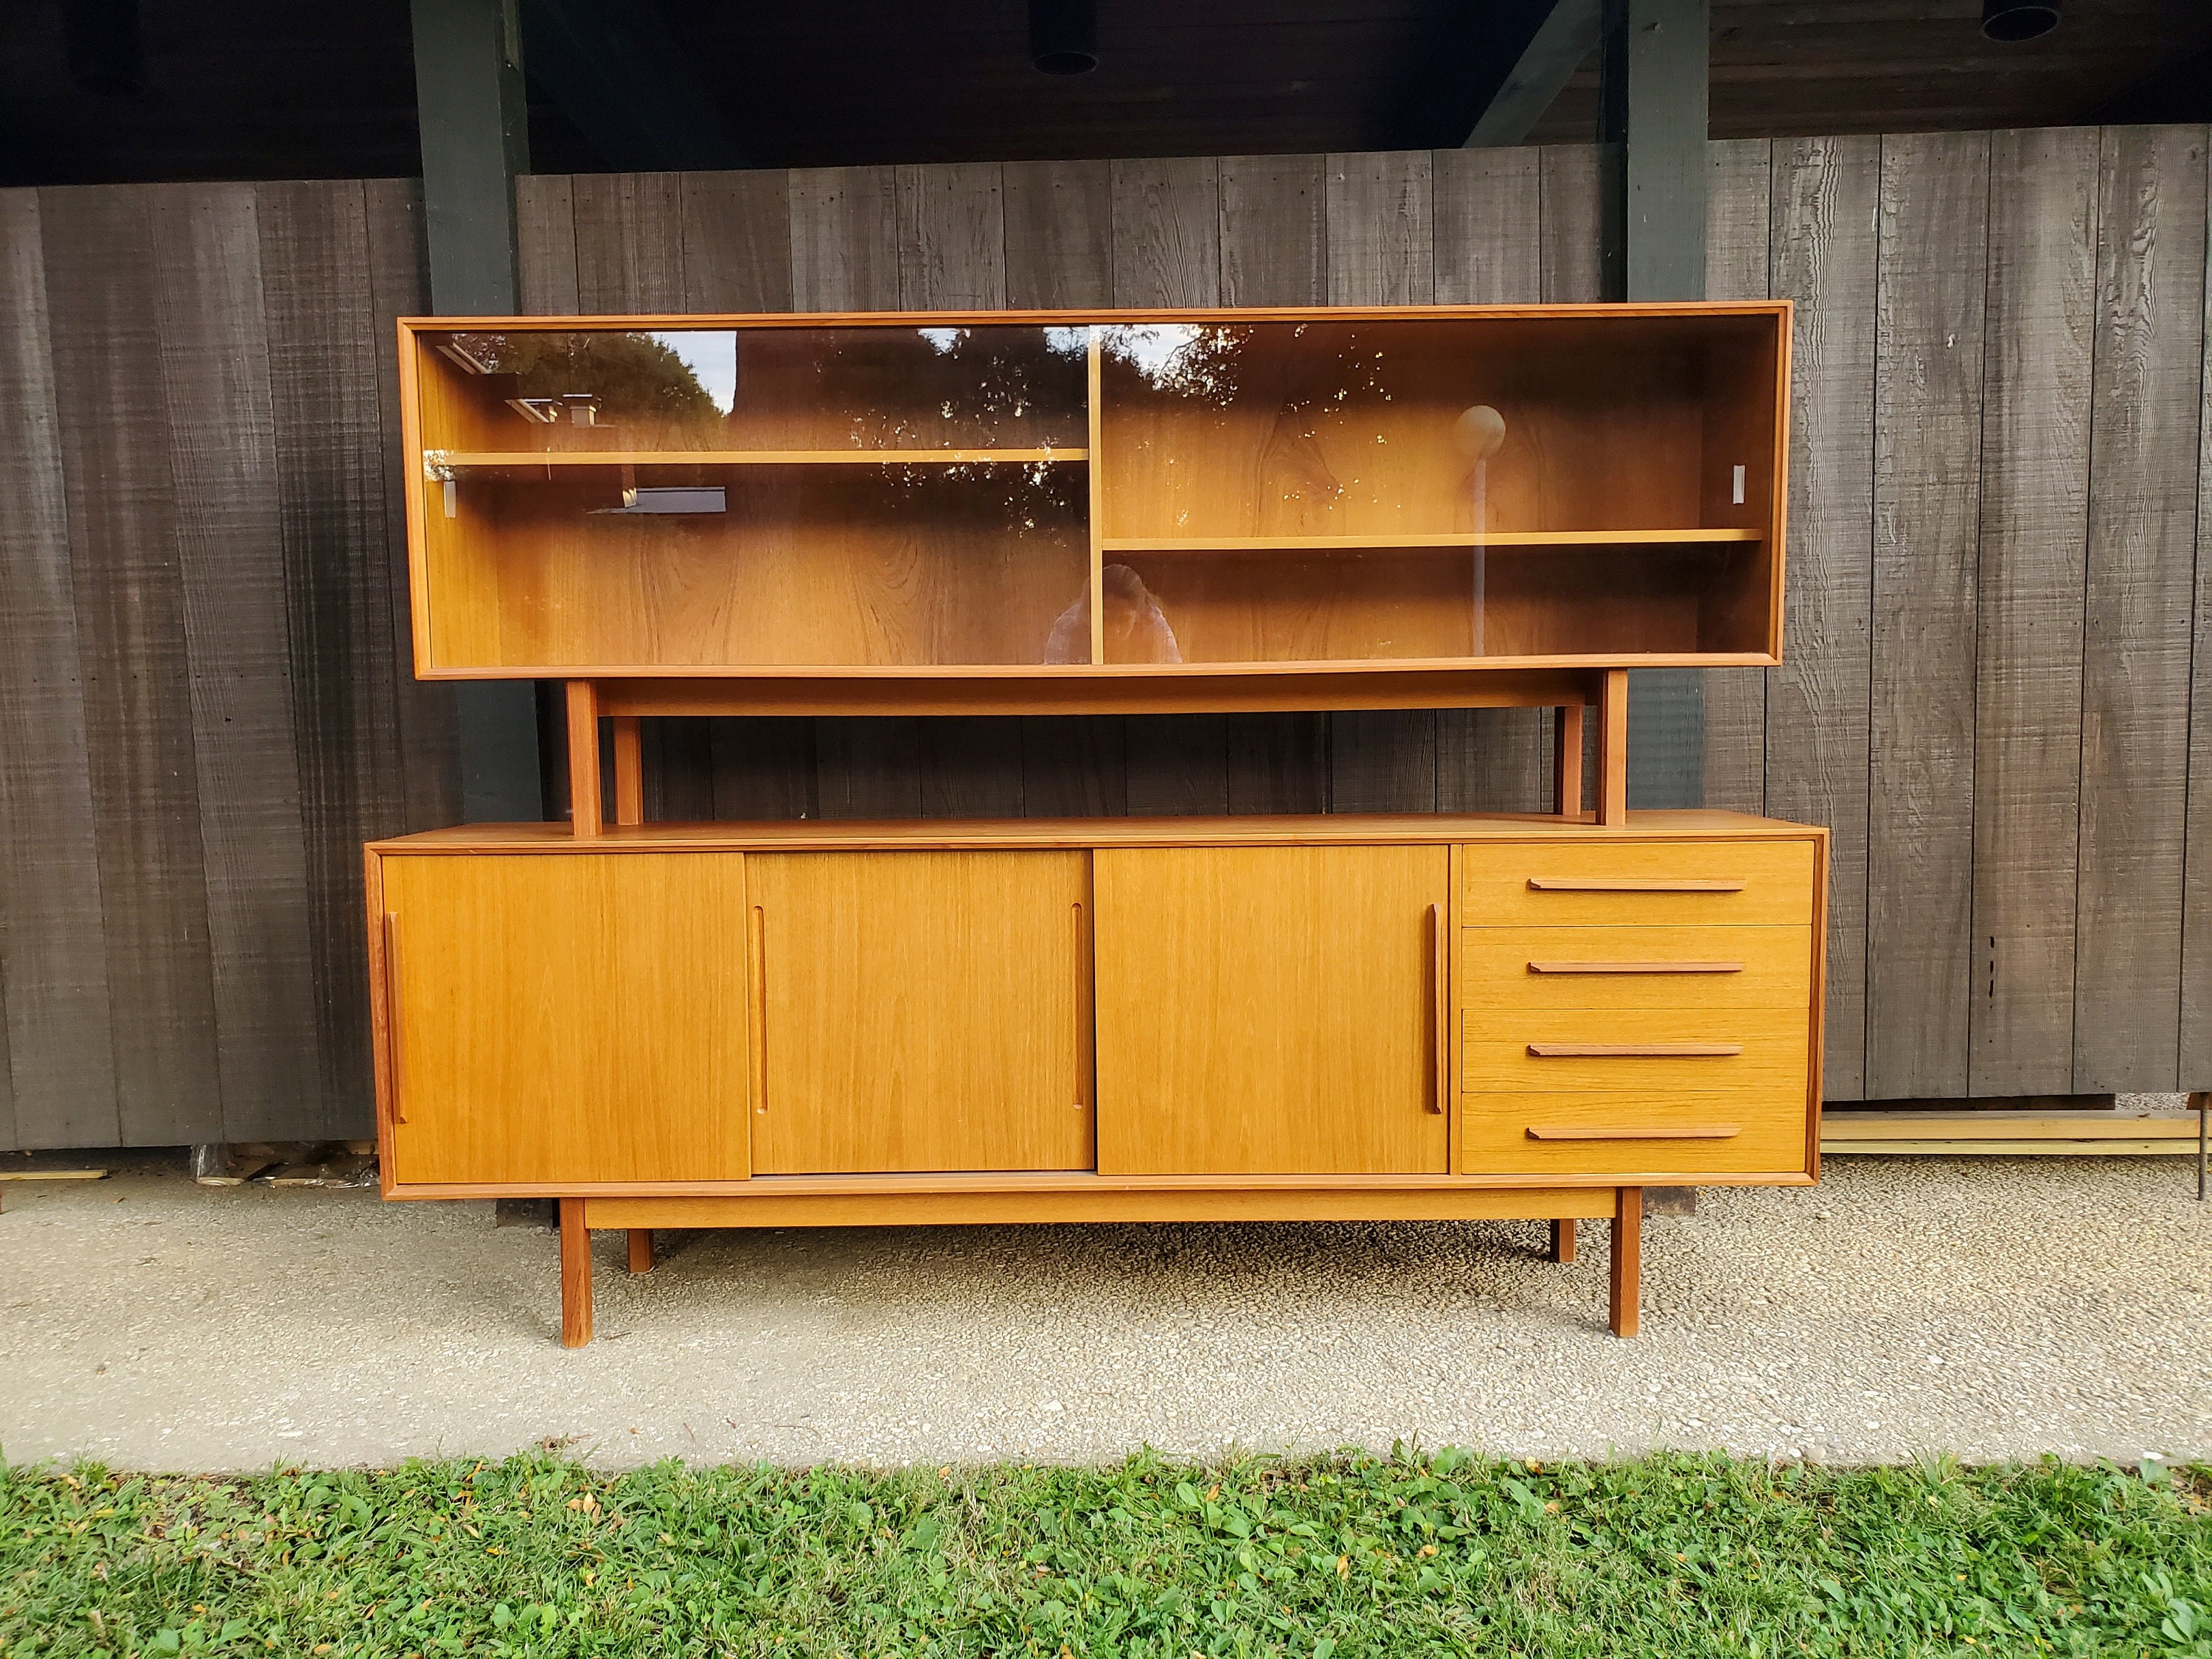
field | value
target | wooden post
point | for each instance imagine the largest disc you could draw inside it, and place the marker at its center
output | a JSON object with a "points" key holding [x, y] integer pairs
{"points": [[1567, 763], [1628, 1258], [1563, 1242], [629, 768], [585, 811], [1613, 748], [575, 1275], [640, 1249]]}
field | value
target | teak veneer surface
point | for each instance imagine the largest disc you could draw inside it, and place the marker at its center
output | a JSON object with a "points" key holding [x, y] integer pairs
{"points": [[1269, 1010]]}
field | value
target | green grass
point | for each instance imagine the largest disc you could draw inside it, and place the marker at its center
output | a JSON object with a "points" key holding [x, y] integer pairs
{"points": [[1348, 1556]]}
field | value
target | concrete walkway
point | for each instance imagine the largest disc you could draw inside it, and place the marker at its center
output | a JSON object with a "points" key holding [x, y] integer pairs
{"points": [[1989, 1308]]}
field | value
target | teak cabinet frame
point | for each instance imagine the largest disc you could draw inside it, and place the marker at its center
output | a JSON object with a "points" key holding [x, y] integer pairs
{"points": [[1271, 1019]]}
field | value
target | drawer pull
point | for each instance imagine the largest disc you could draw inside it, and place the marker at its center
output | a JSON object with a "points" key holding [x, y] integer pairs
{"points": [[1634, 1050], [1635, 967], [1639, 1132], [1627, 885]]}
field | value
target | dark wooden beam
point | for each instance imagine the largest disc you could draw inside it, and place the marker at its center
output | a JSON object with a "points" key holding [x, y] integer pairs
{"points": [[1655, 68], [471, 102], [628, 89], [1562, 43], [1491, 55]]}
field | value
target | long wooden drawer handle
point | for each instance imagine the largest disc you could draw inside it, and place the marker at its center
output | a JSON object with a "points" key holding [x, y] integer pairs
{"points": [[1082, 1004], [1642, 1132], [1635, 967], [392, 1016], [1634, 1050], [759, 1009], [1627, 885], [1439, 1007]]}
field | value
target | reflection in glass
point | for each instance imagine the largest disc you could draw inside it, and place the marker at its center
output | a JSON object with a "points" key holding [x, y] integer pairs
{"points": [[1136, 628]]}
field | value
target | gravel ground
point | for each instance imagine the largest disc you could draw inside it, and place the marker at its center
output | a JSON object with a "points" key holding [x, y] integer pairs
{"points": [[1992, 1308]]}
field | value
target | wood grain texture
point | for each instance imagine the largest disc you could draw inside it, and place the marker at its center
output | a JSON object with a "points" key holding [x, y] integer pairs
{"points": [[1607, 967], [629, 242], [568, 1020], [1313, 1055], [1739, 256], [102, 298], [1819, 700], [53, 970], [1488, 214], [737, 241], [1768, 884], [545, 244], [918, 1012], [2195, 1044], [399, 286], [1927, 494], [1059, 233], [209, 315], [2034, 532], [771, 1203], [575, 1275], [2143, 551], [326, 399], [1583, 1133], [1382, 251]]}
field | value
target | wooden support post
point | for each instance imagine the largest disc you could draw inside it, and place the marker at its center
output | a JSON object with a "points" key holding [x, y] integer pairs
{"points": [[1613, 748], [1563, 1242], [1567, 763], [629, 768], [584, 808], [640, 1249], [1628, 1258], [575, 1275]]}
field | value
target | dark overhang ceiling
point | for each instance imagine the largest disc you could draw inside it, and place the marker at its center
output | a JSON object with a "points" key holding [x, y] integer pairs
{"points": [[269, 88]]}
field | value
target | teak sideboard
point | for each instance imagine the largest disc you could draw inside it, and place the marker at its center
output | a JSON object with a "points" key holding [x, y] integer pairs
{"points": [[1331, 1018]]}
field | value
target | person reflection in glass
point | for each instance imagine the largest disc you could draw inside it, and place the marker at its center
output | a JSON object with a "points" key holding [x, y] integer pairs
{"points": [[1137, 629]]}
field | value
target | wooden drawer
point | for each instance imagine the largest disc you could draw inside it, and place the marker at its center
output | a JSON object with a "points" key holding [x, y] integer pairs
{"points": [[1658, 1051], [1727, 883], [1563, 968], [1725, 1132]]}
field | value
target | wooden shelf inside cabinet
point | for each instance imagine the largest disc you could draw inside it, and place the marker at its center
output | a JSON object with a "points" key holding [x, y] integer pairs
{"points": [[1503, 540], [474, 460]]}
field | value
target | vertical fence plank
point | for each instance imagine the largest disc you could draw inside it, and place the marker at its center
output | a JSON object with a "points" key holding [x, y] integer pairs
{"points": [[1928, 423], [2142, 547], [1489, 251], [327, 398], [1819, 700], [230, 552], [1060, 235], [430, 730], [1167, 251], [1382, 251], [737, 258], [102, 297], [952, 256], [1738, 266], [53, 968], [1060, 253], [1274, 251], [2034, 528], [2196, 1045], [545, 244]]}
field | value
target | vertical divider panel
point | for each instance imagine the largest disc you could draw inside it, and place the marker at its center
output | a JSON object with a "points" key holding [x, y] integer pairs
{"points": [[1931, 294], [2144, 546], [1094, 469], [2034, 536]]}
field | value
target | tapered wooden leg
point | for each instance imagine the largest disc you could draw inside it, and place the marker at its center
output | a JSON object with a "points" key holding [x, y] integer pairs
{"points": [[640, 1249], [575, 1275], [1628, 1258], [1563, 1241]]}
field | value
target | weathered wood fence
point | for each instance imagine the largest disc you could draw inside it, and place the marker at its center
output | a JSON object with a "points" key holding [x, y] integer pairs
{"points": [[1998, 689]]}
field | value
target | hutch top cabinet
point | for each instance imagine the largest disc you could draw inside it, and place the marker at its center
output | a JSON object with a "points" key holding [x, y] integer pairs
{"points": [[1258, 1018], [1290, 509]]}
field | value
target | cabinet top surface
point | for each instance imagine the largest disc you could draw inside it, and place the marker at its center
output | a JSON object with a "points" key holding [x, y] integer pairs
{"points": [[1606, 309], [1345, 829]]}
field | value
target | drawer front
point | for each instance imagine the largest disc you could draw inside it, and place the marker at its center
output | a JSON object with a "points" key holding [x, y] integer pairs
{"points": [[1655, 1051], [1723, 1132], [1606, 968], [1639, 884]]}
